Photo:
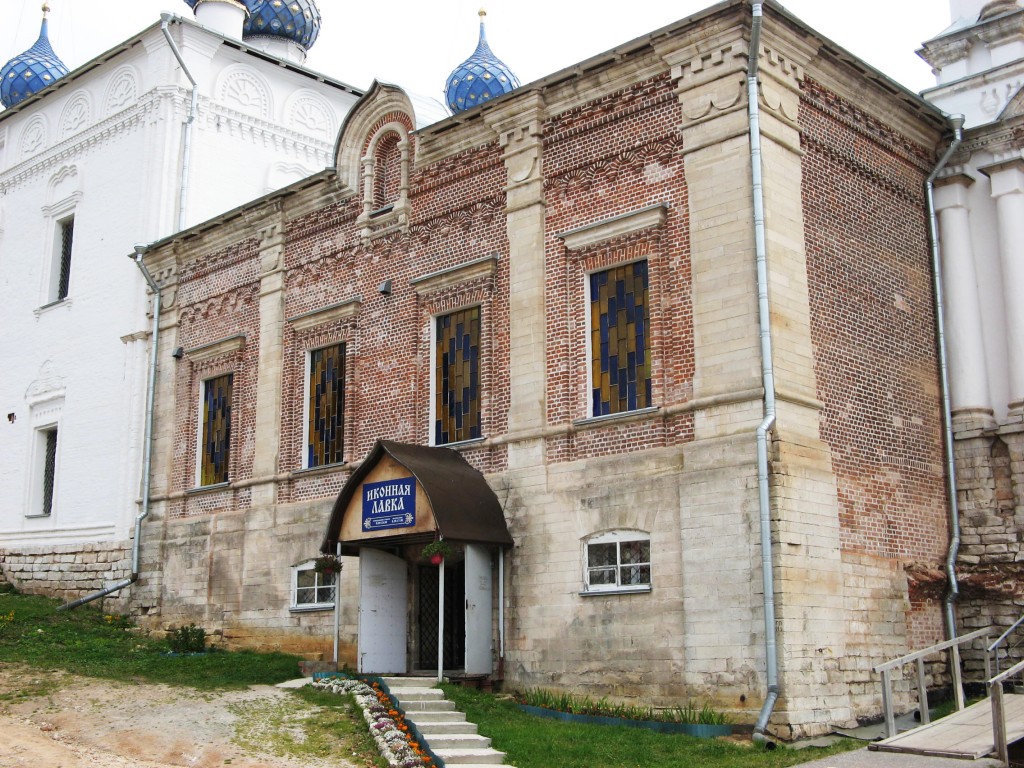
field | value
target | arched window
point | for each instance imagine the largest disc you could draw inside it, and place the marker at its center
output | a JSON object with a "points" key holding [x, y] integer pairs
{"points": [[387, 180]]}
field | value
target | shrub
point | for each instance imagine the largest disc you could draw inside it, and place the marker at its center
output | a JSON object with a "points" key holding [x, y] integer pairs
{"points": [[190, 639]]}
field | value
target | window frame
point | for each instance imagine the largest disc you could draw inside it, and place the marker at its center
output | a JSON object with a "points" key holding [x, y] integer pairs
{"points": [[435, 393], [44, 499], [201, 424], [320, 605], [62, 253], [617, 537], [592, 409], [307, 403]]}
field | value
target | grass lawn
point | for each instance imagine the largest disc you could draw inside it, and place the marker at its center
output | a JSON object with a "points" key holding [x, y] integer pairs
{"points": [[88, 642], [533, 742]]}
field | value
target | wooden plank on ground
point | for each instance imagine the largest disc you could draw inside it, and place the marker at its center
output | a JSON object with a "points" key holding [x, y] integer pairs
{"points": [[965, 734]]}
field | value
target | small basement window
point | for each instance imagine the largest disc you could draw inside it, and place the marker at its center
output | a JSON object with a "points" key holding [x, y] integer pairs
{"points": [[618, 561], [312, 591]]}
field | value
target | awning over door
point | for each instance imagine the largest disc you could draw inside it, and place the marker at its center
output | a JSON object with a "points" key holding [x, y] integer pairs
{"points": [[406, 492]]}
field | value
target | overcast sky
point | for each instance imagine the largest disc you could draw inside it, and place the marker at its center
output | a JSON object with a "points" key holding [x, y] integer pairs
{"points": [[416, 43]]}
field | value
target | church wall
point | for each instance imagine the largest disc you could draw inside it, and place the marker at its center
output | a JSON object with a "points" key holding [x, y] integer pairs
{"points": [[876, 366]]}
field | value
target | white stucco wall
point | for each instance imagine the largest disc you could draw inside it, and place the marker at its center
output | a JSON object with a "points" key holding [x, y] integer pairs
{"points": [[107, 147]]}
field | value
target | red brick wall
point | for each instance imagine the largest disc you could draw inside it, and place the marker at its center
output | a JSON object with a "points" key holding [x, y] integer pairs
{"points": [[873, 321], [629, 160]]}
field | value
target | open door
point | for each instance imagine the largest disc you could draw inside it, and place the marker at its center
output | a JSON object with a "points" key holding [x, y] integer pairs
{"points": [[383, 621], [479, 615]]}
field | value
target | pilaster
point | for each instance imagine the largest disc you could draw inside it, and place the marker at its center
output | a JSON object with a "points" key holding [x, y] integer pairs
{"points": [[519, 127], [272, 238]]}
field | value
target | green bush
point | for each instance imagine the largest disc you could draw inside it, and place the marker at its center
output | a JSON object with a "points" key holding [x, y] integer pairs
{"points": [[190, 639]]}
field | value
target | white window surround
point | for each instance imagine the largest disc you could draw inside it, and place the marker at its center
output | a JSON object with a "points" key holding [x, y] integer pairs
{"points": [[56, 216], [311, 591], [630, 575]]}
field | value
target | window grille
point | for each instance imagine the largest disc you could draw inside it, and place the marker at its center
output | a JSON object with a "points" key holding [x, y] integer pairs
{"points": [[49, 470], [618, 562], [67, 236]]}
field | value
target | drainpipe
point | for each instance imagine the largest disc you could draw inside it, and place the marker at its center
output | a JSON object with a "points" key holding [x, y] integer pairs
{"points": [[957, 122], [165, 19], [767, 380], [147, 448]]}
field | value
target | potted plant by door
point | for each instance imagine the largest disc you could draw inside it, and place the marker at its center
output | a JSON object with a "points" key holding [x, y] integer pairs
{"points": [[436, 551], [327, 565]]}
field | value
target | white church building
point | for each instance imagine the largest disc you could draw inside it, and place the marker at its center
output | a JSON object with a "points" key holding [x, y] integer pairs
{"points": [[182, 121]]}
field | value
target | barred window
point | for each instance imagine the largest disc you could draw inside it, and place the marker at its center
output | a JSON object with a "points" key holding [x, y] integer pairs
{"points": [[215, 450], [457, 377], [61, 277], [620, 339], [49, 440], [618, 561], [325, 426], [311, 589]]}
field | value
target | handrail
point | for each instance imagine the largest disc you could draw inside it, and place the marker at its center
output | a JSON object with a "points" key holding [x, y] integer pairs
{"points": [[922, 690], [995, 696], [934, 649], [991, 650]]}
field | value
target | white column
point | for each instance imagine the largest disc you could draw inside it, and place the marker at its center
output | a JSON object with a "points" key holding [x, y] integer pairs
{"points": [[1008, 192], [968, 373]]}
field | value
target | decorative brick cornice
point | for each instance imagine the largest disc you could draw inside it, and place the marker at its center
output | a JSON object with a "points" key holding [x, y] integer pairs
{"points": [[458, 220], [610, 167]]}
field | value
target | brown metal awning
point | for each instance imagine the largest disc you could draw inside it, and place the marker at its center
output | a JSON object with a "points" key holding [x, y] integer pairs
{"points": [[450, 497]]}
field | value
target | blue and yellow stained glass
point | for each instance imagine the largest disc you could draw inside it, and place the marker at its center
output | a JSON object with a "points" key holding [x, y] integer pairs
{"points": [[216, 430], [457, 384], [620, 339], [326, 444]]}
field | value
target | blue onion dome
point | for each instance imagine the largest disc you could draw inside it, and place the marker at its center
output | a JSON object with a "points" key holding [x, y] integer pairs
{"points": [[480, 78], [295, 20], [31, 71]]}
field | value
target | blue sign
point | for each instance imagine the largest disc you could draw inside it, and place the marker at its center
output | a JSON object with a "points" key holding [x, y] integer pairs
{"points": [[389, 504]]}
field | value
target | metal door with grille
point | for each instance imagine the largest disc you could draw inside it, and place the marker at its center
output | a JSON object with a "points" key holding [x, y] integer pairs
{"points": [[454, 615]]}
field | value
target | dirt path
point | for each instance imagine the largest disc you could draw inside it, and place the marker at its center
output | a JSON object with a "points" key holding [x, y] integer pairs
{"points": [[56, 720]]}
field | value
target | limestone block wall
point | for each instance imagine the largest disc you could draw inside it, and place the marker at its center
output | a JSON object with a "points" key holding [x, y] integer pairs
{"points": [[70, 571]]}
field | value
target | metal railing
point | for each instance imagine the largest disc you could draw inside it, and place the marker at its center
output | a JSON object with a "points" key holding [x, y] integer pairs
{"points": [[922, 690], [992, 651]]}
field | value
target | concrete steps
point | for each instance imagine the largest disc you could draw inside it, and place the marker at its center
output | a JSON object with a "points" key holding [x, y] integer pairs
{"points": [[447, 732]]}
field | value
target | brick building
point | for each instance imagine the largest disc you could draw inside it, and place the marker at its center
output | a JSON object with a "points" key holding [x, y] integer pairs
{"points": [[557, 292]]}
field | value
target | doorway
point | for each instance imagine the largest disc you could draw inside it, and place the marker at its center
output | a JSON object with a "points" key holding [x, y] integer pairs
{"points": [[454, 615]]}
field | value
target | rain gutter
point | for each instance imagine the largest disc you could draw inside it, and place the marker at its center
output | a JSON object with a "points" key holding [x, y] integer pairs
{"points": [[147, 448], [767, 381], [957, 122], [186, 156]]}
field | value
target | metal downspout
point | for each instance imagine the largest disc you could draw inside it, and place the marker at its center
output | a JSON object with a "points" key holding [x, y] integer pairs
{"points": [[147, 448], [767, 379], [186, 156], [947, 415]]}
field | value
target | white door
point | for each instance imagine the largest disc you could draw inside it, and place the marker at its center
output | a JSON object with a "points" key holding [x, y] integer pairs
{"points": [[479, 625], [382, 612]]}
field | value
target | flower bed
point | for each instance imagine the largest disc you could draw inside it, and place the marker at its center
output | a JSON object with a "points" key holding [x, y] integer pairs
{"points": [[399, 742]]}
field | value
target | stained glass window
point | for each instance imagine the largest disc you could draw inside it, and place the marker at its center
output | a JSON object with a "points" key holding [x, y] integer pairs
{"points": [[457, 382], [619, 560], [620, 339], [326, 417], [216, 447]]}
